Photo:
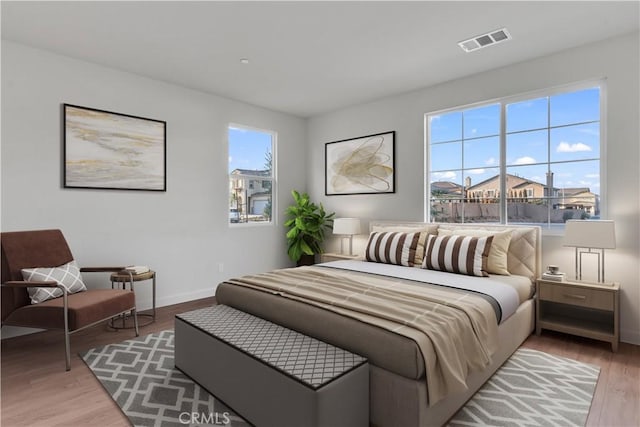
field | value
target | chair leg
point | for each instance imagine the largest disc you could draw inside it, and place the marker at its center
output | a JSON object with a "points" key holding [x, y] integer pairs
{"points": [[67, 349], [134, 312], [67, 345]]}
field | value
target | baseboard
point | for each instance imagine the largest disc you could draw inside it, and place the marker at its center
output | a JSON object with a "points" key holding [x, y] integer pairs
{"points": [[180, 298], [630, 336]]}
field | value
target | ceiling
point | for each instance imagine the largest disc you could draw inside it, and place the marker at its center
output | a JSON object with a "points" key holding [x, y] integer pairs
{"points": [[308, 58]]}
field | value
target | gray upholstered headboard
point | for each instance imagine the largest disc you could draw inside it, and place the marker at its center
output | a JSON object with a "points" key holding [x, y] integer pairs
{"points": [[524, 257]]}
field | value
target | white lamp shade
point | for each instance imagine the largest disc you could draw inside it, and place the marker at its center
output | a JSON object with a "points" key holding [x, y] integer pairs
{"points": [[599, 234], [348, 226]]}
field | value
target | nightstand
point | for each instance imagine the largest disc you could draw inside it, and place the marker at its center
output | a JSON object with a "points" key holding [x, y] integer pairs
{"points": [[577, 308], [326, 257]]}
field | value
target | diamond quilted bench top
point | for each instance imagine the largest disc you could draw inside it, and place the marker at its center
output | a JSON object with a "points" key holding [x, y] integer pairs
{"points": [[310, 361]]}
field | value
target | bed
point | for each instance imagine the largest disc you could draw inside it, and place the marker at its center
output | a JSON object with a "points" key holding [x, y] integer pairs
{"points": [[385, 304]]}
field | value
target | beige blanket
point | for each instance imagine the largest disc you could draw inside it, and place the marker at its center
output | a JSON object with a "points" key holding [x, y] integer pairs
{"points": [[455, 330]]}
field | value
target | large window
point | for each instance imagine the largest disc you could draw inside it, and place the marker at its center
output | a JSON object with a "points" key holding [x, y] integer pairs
{"points": [[251, 175], [533, 159]]}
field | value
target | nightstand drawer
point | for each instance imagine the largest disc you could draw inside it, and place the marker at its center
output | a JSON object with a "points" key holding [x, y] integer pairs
{"points": [[574, 295]]}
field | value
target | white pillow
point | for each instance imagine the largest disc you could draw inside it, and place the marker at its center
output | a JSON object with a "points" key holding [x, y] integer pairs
{"points": [[458, 254], [67, 275]]}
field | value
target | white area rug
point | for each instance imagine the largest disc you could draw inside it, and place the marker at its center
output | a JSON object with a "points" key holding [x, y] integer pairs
{"points": [[533, 389]]}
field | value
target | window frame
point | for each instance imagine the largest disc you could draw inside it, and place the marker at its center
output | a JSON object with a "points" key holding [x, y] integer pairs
{"points": [[548, 227], [261, 179]]}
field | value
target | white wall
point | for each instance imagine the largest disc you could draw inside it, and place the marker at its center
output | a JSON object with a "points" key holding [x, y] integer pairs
{"points": [[615, 59], [181, 233]]}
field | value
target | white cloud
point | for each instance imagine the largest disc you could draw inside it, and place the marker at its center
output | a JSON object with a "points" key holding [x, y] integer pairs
{"points": [[526, 160], [230, 159], [491, 161], [592, 175], [476, 171], [444, 175], [565, 147]]}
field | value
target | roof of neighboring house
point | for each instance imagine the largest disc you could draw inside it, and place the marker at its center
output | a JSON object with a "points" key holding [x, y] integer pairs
{"points": [[524, 181], [251, 172], [446, 187], [527, 182]]}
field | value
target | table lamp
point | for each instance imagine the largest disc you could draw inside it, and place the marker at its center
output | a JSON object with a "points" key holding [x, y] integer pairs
{"points": [[346, 227], [594, 236]]}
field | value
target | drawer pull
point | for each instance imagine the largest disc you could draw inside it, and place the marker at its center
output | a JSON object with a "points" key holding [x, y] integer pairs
{"points": [[574, 296]]}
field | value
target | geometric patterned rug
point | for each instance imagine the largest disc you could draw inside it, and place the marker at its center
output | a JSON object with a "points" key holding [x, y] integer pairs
{"points": [[140, 376], [533, 389]]}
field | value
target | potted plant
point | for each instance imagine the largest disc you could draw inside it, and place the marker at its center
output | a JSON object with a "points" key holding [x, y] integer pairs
{"points": [[306, 223]]}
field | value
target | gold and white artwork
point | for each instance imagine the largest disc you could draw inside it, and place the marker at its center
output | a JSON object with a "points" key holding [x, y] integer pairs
{"points": [[114, 151], [361, 165]]}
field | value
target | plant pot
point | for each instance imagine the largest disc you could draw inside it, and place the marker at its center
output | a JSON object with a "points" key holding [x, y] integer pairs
{"points": [[306, 260]]}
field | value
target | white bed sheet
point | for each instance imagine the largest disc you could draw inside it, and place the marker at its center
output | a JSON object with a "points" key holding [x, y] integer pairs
{"points": [[505, 294]]}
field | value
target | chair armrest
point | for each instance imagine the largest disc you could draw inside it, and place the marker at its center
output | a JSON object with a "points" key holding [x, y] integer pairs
{"points": [[101, 269], [25, 284]]}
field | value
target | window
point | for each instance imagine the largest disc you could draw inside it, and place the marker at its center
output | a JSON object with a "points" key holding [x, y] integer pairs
{"points": [[251, 175], [531, 159]]}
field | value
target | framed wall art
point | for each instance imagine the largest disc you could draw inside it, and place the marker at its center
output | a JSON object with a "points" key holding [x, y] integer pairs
{"points": [[107, 150], [361, 165]]}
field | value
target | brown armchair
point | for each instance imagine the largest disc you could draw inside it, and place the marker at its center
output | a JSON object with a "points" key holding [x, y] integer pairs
{"points": [[71, 312]]}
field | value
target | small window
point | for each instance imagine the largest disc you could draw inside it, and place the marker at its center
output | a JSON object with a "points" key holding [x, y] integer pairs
{"points": [[251, 175]]}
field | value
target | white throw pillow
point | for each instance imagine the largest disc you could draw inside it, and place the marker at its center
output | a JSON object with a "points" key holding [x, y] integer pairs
{"points": [[67, 275]]}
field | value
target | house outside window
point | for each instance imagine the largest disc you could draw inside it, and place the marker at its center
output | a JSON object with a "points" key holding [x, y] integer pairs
{"points": [[527, 159], [251, 175]]}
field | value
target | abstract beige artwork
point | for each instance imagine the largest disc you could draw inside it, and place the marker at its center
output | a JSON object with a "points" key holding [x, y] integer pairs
{"points": [[361, 165], [113, 151]]}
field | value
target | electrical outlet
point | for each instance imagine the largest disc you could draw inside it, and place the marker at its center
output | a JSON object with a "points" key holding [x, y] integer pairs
{"points": [[220, 267]]}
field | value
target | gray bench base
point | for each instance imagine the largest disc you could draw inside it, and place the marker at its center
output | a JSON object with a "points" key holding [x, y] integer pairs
{"points": [[263, 395]]}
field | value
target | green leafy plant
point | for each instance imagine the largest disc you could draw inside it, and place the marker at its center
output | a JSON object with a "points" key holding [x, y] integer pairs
{"points": [[306, 223]]}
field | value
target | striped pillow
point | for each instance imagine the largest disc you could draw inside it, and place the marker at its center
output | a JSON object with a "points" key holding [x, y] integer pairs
{"points": [[458, 254], [396, 248]]}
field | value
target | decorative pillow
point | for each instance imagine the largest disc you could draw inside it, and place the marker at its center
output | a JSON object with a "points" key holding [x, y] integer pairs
{"points": [[67, 275], [458, 254], [396, 248], [497, 260]]}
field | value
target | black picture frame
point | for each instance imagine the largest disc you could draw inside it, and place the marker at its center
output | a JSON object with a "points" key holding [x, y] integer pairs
{"points": [[362, 165], [113, 151]]}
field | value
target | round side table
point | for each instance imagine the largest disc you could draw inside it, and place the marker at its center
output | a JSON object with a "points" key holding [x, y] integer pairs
{"points": [[123, 277]]}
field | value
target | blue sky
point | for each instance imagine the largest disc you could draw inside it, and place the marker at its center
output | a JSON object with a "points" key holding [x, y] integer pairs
{"points": [[248, 148], [556, 129]]}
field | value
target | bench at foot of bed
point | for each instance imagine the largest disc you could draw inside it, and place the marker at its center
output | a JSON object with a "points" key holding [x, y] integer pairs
{"points": [[271, 375]]}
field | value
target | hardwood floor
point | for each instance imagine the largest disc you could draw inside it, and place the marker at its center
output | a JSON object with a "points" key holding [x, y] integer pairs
{"points": [[37, 391]]}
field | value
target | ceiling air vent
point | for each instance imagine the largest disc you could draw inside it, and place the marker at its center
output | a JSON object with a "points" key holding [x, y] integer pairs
{"points": [[484, 40]]}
